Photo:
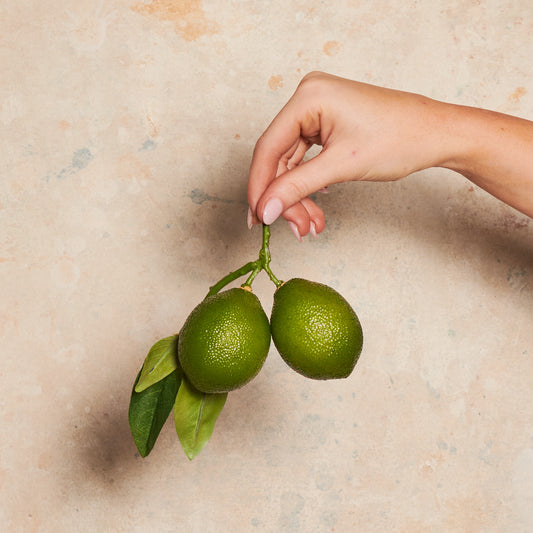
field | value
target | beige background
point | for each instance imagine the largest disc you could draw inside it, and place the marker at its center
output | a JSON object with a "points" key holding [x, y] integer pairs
{"points": [[127, 128]]}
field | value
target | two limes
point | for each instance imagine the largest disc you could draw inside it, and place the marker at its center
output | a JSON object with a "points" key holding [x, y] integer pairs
{"points": [[225, 340]]}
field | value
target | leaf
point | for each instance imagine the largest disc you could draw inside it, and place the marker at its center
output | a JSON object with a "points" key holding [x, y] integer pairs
{"points": [[195, 414], [159, 363], [149, 411]]}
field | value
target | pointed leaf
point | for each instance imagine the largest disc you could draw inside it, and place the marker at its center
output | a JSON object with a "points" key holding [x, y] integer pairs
{"points": [[149, 411], [161, 360], [195, 414]]}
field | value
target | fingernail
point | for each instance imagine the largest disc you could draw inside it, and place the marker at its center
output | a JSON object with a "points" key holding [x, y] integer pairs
{"points": [[272, 211], [324, 190], [296, 231], [249, 219], [312, 229]]}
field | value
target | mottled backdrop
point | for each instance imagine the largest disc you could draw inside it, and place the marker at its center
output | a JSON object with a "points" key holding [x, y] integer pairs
{"points": [[126, 132]]}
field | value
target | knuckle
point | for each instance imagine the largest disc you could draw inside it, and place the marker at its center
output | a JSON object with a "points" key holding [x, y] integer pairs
{"points": [[312, 79], [312, 75], [297, 190], [260, 143]]}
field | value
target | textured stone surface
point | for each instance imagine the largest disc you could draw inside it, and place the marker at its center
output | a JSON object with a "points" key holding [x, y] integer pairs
{"points": [[127, 129]]}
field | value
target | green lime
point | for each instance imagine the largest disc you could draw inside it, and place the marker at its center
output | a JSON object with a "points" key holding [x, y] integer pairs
{"points": [[224, 341], [315, 330]]}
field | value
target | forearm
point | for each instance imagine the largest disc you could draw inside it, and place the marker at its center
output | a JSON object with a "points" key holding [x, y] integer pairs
{"points": [[494, 151]]}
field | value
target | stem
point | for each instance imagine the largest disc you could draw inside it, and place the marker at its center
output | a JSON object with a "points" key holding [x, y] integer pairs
{"points": [[232, 276], [263, 263], [264, 256], [249, 281]]}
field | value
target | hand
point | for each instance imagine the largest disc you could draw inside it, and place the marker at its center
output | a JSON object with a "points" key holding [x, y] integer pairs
{"points": [[366, 133]]}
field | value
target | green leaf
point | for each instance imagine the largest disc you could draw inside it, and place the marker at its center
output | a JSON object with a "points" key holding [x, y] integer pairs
{"points": [[159, 363], [195, 414], [149, 411]]}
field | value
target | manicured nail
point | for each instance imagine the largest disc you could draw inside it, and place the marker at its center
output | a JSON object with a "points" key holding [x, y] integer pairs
{"points": [[312, 229], [324, 190], [249, 219], [296, 231], [272, 211]]}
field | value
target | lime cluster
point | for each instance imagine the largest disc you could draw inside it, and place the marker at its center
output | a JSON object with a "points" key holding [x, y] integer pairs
{"points": [[226, 338], [224, 343]]}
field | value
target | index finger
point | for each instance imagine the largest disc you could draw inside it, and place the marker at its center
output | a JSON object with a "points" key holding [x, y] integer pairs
{"points": [[278, 139]]}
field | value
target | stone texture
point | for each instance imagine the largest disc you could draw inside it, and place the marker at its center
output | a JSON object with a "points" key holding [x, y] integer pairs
{"points": [[127, 128]]}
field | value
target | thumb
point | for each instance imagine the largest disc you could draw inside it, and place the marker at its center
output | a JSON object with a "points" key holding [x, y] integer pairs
{"points": [[298, 183]]}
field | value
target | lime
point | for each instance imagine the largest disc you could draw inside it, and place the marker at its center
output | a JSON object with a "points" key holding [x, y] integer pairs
{"points": [[315, 330], [224, 341]]}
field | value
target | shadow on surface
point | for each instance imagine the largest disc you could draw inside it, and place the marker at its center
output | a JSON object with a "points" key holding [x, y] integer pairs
{"points": [[442, 215], [478, 231]]}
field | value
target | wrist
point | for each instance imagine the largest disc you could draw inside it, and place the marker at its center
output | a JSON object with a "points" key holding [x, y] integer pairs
{"points": [[455, 138], [471, 136]]}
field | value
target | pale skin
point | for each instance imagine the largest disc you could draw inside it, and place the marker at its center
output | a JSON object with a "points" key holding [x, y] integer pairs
{"points": [[369, 133]]}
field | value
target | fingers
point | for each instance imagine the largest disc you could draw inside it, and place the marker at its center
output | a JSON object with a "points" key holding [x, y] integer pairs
{"points": [[305, 217], [317, 221], [298, 219], [280, 144], [293, 187], [279, 182], [293, 157]]}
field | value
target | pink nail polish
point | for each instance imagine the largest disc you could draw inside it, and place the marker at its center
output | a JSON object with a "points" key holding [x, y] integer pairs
{"points": [[249, 219], [312, 229], [296, 231], [272, 211]]}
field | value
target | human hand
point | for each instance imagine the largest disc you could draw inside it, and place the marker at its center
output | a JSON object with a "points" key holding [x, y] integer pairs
{"points": [[366, 133]]}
